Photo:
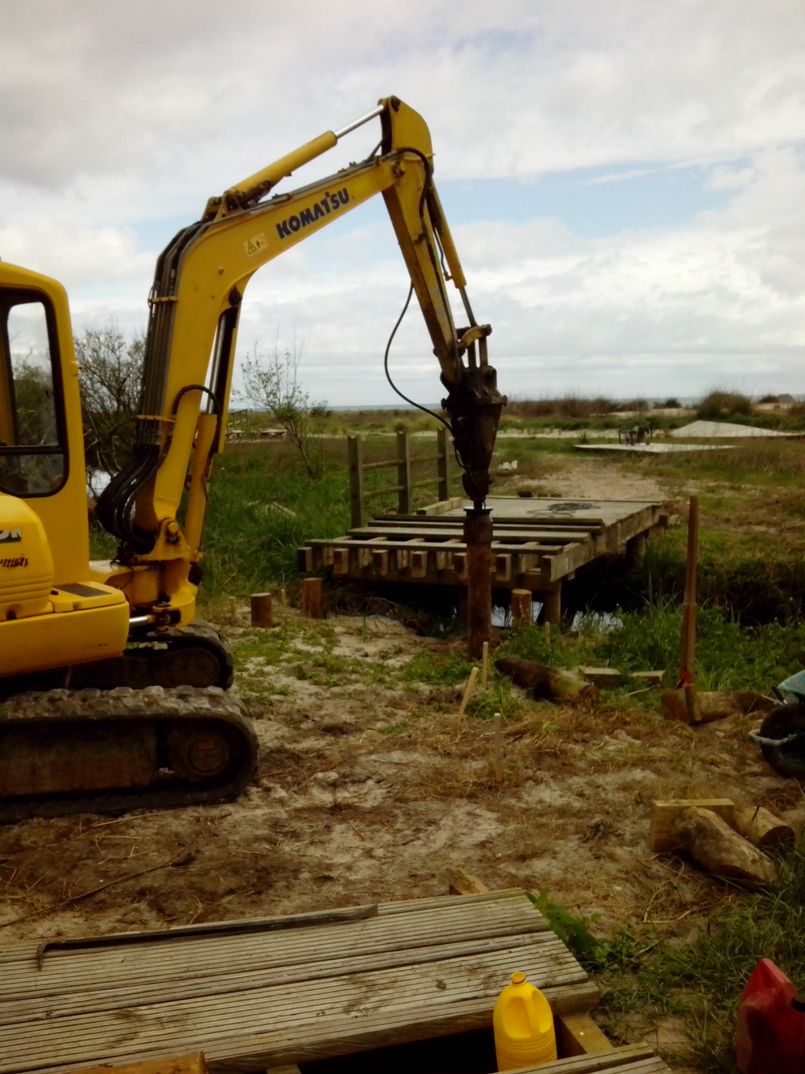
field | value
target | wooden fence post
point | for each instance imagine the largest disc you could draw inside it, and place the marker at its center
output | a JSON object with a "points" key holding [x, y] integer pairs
{"points": [[356, 499], [403, 473], [552, 605]]}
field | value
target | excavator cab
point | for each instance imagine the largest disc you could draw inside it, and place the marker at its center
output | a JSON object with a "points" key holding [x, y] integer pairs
{"points": [[51, 610]]}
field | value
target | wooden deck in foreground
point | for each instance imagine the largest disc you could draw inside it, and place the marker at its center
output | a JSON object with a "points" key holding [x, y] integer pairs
{"points": [[536, 545], [285, 991]]}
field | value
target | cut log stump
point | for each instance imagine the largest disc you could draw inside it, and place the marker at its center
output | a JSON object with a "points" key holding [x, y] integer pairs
{"points": [[763, 829], [547, 683], [716, 846]]}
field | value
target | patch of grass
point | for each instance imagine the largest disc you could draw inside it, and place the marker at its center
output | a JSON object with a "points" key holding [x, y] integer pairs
{"points": [[646, 978], [447, 668], [498, 697], [728, 656], [700, 983], [258, 520]]}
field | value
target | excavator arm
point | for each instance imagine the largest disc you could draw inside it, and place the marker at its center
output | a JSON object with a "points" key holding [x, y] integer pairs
{"points": [[194, 306]]}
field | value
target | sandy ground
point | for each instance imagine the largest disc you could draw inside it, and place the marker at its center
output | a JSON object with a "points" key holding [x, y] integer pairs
{"points": [[371, 788]]}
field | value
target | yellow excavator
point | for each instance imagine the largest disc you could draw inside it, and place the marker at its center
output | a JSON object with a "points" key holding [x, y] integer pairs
{"points": [[113, 697]]}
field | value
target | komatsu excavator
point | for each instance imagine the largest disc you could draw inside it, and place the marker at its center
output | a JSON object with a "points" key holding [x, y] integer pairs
{"points": [[113, 698]]}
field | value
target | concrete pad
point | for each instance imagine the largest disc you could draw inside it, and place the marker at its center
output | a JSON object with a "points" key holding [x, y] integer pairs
{"points": [[654, 449]]}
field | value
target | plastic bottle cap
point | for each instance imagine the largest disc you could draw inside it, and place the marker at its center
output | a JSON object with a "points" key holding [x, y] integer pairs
{"points": [[518, 977]]}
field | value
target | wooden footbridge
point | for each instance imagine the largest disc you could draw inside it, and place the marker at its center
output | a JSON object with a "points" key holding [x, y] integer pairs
{"points": [[537, 544], [274, 994]]}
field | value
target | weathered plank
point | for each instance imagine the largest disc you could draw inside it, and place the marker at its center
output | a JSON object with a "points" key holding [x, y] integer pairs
{"points": [[186, 1064], [630, 1059], [304, 1019], [251, 1000], [218, 954]]}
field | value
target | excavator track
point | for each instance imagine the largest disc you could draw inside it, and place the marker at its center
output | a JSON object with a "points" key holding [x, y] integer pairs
{"points": [[110, 751]]}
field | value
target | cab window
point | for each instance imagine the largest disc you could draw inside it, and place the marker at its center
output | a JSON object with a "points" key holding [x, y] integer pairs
{"points": [[32, 455]]}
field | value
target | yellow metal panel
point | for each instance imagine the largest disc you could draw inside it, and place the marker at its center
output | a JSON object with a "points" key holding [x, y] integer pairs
{"points": [[77, 637]]}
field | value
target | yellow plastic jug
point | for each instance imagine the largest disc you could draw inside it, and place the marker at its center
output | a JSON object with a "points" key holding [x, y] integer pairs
{"points": [[523, 1024]]}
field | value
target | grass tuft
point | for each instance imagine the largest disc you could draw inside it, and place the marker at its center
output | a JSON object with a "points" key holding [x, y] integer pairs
{"points": [[700, 983]]}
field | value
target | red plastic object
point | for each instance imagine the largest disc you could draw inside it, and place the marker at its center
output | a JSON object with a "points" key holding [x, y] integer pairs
{"points": [[770, 1034]]}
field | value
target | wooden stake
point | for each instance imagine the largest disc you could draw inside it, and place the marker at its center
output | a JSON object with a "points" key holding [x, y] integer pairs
{"points": [[686, 669], [485, 666], [262, 610], [498, 749], [312, 598], [468, 692], [521, 608]]}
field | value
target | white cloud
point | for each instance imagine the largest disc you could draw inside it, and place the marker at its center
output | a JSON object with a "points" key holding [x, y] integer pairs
{"points": [[120, 126]]}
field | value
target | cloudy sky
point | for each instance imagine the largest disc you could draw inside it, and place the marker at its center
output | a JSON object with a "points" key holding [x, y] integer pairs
{"points": [[625, 181]]}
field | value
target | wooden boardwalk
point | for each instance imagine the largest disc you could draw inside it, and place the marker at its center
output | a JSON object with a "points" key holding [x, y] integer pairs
{"points": [[285, 990], [537, 544]]}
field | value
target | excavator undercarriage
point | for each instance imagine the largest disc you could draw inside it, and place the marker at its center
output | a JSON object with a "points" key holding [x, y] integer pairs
{"points": [[169, 736]]}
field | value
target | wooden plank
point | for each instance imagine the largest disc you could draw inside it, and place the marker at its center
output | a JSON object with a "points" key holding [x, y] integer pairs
{"points": [[570, 559], [504, 522], [495, 913], [664, 813], [166, 959], [340, 556], [455, 525], [444, 533], [324, 1012], [245, 1055], [74, 1000], [577, 1034], [419, 564], [187, 1064], [629, 1059], [248, 1052], [257, 999], [318, 544]]}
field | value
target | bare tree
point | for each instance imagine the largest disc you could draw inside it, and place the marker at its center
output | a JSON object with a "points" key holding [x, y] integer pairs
{"points": [[272, 383], [110, 374]]}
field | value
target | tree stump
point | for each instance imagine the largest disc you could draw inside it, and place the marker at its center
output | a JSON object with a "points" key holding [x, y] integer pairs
{"points": [[261, 606], [312, 598]]}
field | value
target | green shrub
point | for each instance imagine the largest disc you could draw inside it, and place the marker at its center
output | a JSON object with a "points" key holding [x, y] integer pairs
{"points": [[720, 404]]}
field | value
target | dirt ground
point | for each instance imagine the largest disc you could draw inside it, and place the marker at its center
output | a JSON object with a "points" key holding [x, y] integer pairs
{"points": [[371, 788]]}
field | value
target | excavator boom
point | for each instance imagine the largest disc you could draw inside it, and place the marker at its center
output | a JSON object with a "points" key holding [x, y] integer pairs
{"points": [[194, 309]]}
